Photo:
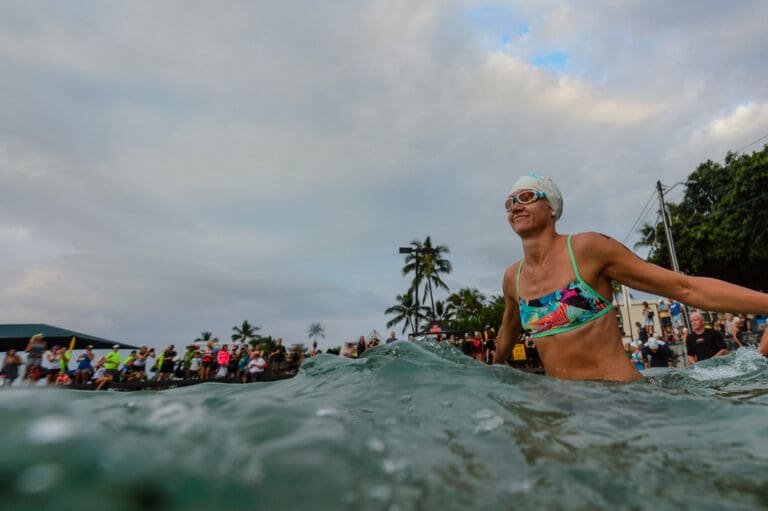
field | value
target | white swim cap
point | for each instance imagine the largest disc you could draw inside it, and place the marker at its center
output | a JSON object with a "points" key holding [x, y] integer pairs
{"points": [[542, 184]]}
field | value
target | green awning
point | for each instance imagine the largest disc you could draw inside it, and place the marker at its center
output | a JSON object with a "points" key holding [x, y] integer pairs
{"points": [[17, 336]]}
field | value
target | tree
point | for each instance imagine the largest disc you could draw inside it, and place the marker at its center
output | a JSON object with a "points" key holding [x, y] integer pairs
{"points": [[719, 227], [404, 310], [245, 332], [315, 330], [205, 337], [465, 303], [431, 265], [442, 312]]}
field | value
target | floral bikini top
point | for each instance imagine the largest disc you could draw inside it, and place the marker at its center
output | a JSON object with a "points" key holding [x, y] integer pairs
{"points": [[570, 307]]}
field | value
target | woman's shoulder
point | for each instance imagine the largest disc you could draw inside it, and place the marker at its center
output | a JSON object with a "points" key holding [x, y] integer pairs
{"points": [[596, 244]]}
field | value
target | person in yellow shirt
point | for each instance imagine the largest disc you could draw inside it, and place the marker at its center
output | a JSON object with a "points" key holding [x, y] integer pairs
{"points": [[112, 362]]}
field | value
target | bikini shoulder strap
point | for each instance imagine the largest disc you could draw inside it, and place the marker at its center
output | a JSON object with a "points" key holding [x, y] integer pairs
{"points": [[517, 279], [573, 259]]}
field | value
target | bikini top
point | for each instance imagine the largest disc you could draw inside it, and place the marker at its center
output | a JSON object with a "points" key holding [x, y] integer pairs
{"points": [[563, 310]]}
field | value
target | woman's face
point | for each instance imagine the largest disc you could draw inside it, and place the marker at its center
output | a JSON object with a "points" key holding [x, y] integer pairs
{"points": [[524, 217]]}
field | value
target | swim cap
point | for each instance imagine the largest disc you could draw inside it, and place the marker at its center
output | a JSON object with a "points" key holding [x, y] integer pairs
{"points": [[542, 184]]}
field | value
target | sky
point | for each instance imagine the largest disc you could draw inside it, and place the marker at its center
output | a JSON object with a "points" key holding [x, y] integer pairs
{"points": [[169, 168]]}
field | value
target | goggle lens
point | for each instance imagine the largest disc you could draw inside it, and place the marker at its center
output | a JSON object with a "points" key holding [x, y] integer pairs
{"points": [[524, 197]]}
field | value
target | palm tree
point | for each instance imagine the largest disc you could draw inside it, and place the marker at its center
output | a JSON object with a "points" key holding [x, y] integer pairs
{"points": [[316, 330], [245, 332], [431, 264], [466, 303], [205, 337], [404, 310], [443, 312]]}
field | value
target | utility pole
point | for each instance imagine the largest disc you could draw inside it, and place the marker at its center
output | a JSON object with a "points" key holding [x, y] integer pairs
{"points": [[672, 255]]}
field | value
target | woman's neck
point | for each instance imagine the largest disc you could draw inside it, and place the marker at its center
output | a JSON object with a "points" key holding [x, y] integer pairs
{"points": [[538, 249]]}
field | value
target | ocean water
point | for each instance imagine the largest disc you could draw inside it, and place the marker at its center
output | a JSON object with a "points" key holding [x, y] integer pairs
{"points": [[407, 427]]}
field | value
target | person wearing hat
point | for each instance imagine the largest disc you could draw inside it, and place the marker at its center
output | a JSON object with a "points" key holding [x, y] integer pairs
{"points": [[657, 354], [84, 366], [187, 361], [560, 290], [112, 362]]}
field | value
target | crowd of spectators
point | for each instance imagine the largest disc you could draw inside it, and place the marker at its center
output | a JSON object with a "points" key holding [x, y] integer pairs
{"points": [[712, 335], [210, 361]]}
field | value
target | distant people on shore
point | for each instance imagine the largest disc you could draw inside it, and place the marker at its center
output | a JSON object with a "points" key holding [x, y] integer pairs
{"points": [[704, 343]]}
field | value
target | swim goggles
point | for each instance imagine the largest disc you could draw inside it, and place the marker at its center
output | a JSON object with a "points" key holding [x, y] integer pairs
{"points": [[524, 197]]}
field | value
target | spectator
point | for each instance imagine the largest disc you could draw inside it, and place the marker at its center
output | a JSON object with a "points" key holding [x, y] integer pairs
{"points": [[665, 318], [314, 351], [35, 350], [63, 378], [361, 347], [256, 367], [277, 357], [636, 355], [112, 363], [10, 370], [84, 366], [648, 319], [676, 314], [166, 363], [187, 361], [392, 338], [128, 371], [222, 362], [51, 365], [703, 343], [207, 358], [657, 354], [194, 366], [140, 363], [348, 350], [740, 327], [490, 349], [642, 333], [234, 362]]}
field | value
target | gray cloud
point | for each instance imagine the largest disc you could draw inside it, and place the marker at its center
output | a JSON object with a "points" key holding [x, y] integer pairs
{"points": [[173, 168]]}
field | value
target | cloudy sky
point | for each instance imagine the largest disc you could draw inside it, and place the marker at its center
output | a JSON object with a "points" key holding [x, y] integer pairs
{"points": [[173, 167]]}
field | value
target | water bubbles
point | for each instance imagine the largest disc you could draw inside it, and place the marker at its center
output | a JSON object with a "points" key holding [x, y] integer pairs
{"points": [[407, 398], [51, 429], [39, 478], [523, 486], [488, 421], [376, 445], [380, 493], [327, 412]]}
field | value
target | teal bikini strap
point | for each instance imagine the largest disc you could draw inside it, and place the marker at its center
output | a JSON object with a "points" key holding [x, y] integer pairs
{"points": [[573, 259], [582, 281], [517, 280]]}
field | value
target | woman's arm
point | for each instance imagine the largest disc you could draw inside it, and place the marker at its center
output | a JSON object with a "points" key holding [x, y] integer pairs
{"points": [[510, 323], [702, 292], [764, 343]]}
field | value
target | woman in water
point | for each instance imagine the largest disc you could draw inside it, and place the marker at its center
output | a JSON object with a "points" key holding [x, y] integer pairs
{"points": [[560, 291]]}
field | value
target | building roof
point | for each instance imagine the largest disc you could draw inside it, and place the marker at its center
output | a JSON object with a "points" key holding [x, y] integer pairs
{"points": [[16, 336]]}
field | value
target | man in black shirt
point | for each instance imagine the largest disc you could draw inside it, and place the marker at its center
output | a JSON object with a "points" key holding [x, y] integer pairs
{"points": [[703, 343]]}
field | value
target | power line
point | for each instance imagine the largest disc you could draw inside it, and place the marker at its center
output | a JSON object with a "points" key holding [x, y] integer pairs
{"points": [[640, 218], [752, 143]]}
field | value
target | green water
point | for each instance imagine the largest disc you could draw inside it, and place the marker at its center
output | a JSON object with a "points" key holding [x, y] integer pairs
{"points": [[407, 427]]}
